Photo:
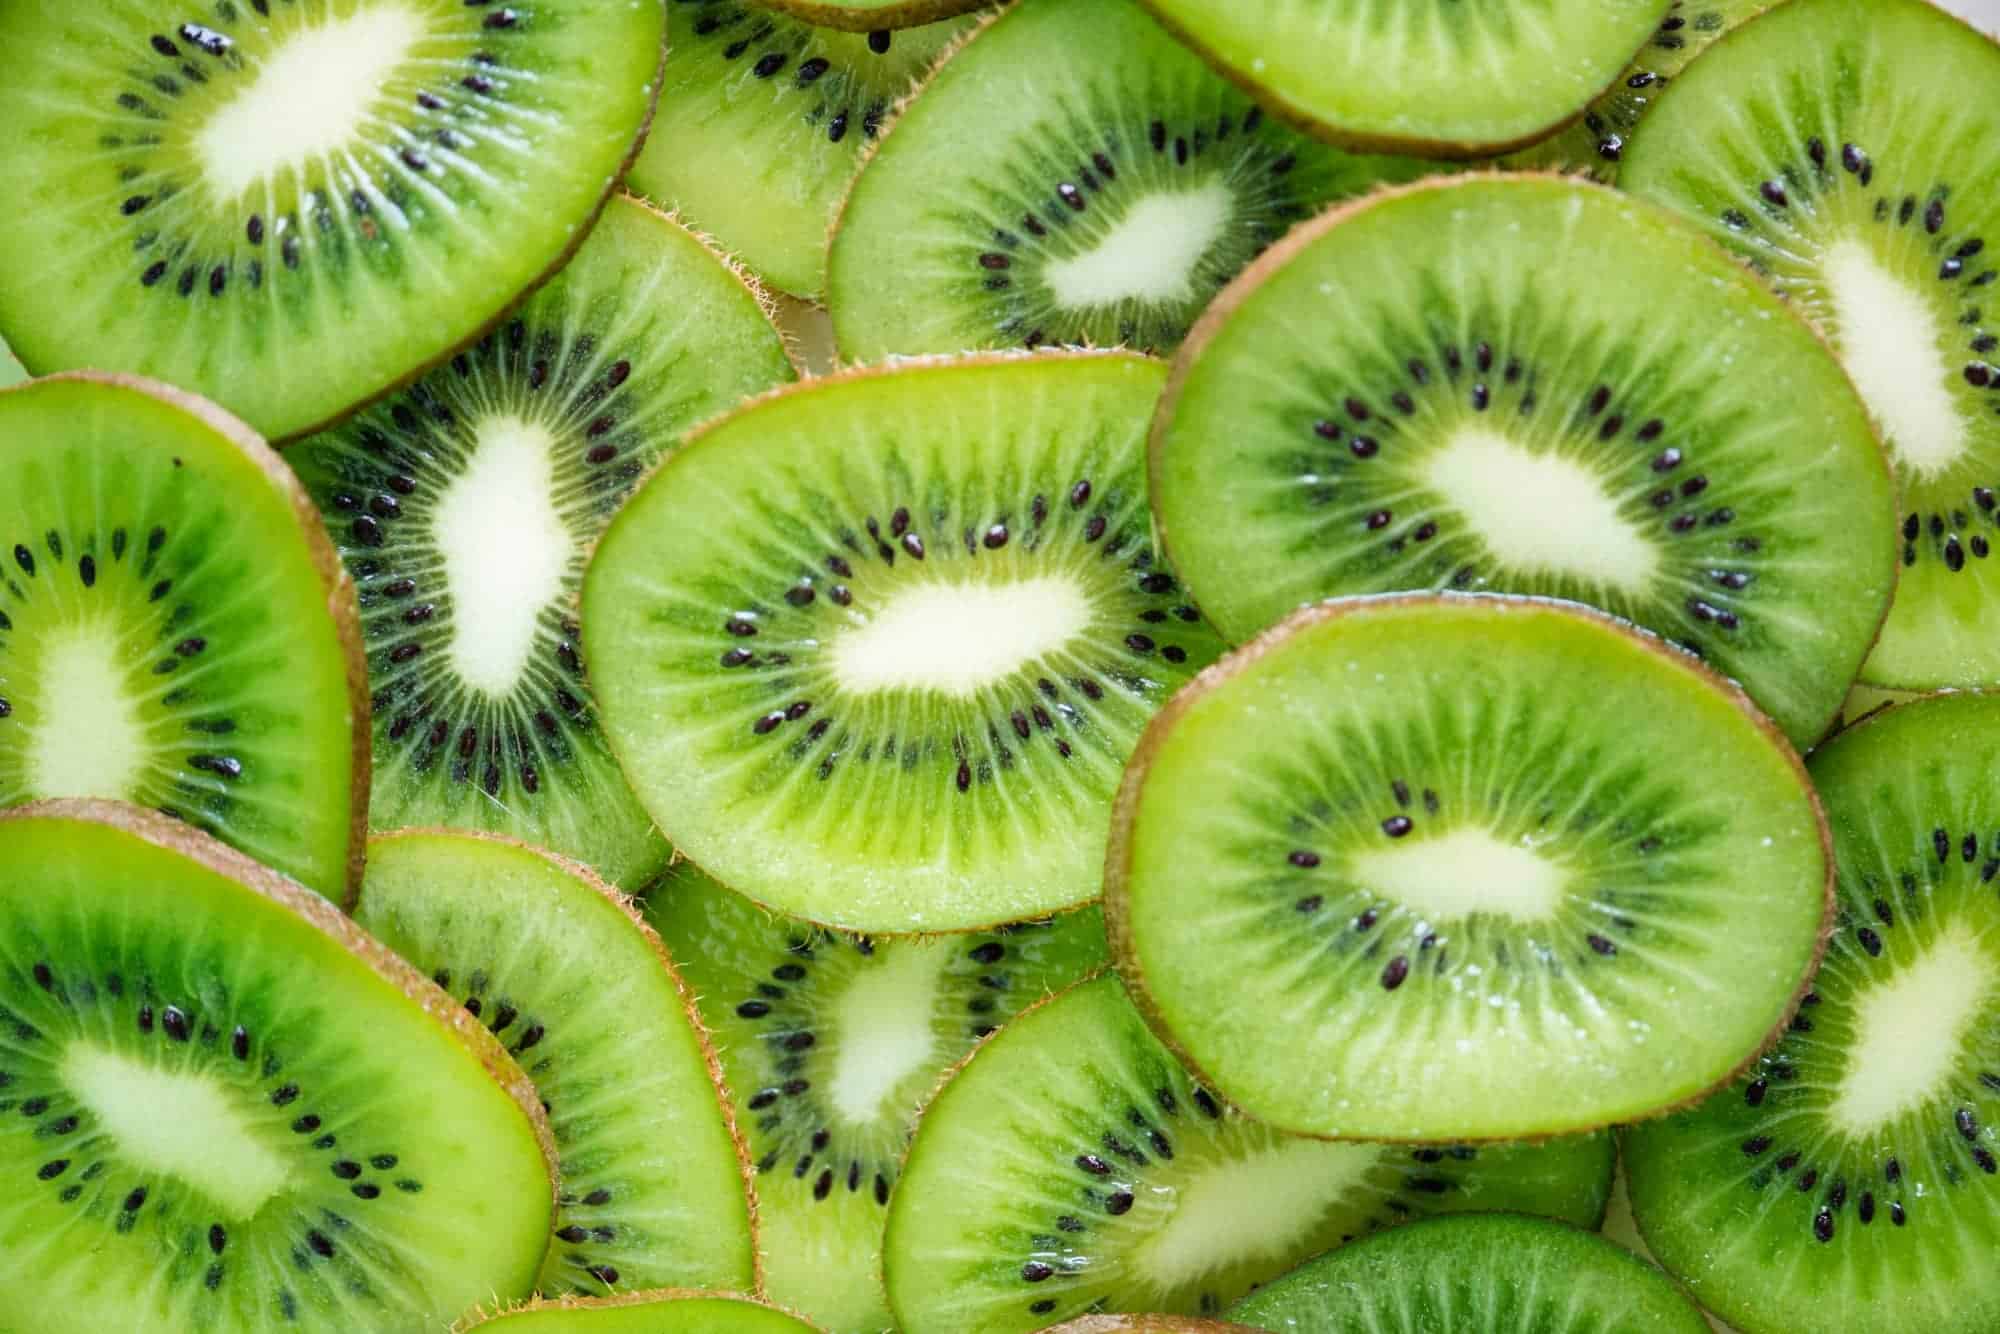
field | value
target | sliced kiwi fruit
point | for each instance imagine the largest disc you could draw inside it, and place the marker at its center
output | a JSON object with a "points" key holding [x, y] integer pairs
{"points": [[175, 629], [874, 649], [11, 370], [1145, 1324], [657, 1312], [465, 507], [1849, 1181], [1073, 175], [869, 16], [293, 207], [1072, 1165], [228, 1109], [831, 1042], [1850, 150], [1552, 394]]}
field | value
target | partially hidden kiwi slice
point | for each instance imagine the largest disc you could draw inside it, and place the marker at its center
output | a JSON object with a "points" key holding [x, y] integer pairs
{"points": [[175, 629], [1850, 150], [870, 16], [831, 1043], [228, 1109], [874, 649], [1849, 1181], [466, 505], [1555, 391], [578, 989], [292, 207], [1145, 1324], [1072, 175], [1073, 1165], [657, 1312]]}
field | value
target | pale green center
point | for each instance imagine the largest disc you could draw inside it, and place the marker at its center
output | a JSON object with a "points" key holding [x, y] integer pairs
{"points": [[1148, 255], [86, 737], [884, 1019], [1464, 871], [1890, 342], [1909, 1032], [956, 638]]}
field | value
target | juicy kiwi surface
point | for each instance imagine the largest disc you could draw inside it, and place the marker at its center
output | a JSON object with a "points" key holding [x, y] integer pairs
{"points": [[293, 205], [1850, 150], [1144, 1324], [1558, 391], [647, 1313], [1847, 1181], [1073, 1165], [465, 507], [870, 16], [228, 1109], [830, 1043], [874, 650], [175, 630], [1073, 175]]}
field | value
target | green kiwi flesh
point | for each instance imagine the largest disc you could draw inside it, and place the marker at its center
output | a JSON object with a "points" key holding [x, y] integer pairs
{"points": [[175, 630], [1850, 151], [465, 507], [228, 1109], [647, 1313], [1495, 868], [1847, 1181], [1073, 1165], [871, 16], [12, 372], [1546, 396], [830, 1043], [291, 208]]}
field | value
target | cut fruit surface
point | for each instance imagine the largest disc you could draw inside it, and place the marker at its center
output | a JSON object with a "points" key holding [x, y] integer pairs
{"points": [[1451, 867], [874, 650], [175, 629], [1072, 1165], [1553, 395], [646, 1313], [872, 16], [1145, 1324]]}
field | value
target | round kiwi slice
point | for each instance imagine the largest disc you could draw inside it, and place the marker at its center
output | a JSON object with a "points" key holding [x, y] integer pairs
{"points": [[870, 16], [228, 1109], [294, 207], [830, 1043], [657, 1312], [466, 505], [175, 629], [1072, 1165], [1540, 399], [875, 649], [561, 970], [1849, 1180], [1073, 175], [1850, 149]]}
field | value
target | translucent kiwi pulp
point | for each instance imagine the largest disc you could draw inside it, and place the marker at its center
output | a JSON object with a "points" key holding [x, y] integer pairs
{"points": [[646, 1313], [870, 16], [1072, 1165], [293, 205]]}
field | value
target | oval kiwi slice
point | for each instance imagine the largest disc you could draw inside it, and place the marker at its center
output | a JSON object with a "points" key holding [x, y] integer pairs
{"points": [[1072, 1165], [175, 628], [229, 1109], [1475, 867], [1847, 1181], [658, 1312]]}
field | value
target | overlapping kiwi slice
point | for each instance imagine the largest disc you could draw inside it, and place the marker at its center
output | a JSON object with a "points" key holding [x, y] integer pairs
{"points": [[1145, 1324], [660, 1312], [175, 629], [1851, 151], [228, 1109], [1073, 1165], [291, 205], [465, 507], [1848, 1181], [869, 16]]}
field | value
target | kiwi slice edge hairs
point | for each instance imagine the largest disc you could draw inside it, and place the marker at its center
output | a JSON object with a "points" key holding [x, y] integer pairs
{"points": [[653, 1311]]}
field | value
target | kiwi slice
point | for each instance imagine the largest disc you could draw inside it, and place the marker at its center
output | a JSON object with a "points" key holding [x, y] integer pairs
{"points": [[1847, 1181], [1540, 399], [466, 505], [12, 372], [175, 629], [658, 1312], [579, 990], [1072, 1165], [875, 649], [1144, 1324], [830, 1043], [229, 1109], [870, 16], [1850, 149], [1073, 175], [290, 207]]}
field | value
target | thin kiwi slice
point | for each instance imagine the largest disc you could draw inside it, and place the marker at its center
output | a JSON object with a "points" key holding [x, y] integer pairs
{"points": [[1850, 149], [294, 207], [656, 1312], [1145, 1324], [1550, 395], [466, 505], [871, 16], [831, 1042], [1072, 175], [875, 649], [561, 970], [175, 629], [1849, 1180], [228, 1109], [1072, 1165]]}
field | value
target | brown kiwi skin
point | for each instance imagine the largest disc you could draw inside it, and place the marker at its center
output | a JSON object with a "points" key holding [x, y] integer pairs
{"points": [[1124, 812], [846, 18], [615, 1300]]}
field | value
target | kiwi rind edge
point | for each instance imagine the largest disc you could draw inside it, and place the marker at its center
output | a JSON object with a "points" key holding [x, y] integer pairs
{"points": [[846, 18], [1146, 1324], [721, 254], [646, 1297]]}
